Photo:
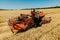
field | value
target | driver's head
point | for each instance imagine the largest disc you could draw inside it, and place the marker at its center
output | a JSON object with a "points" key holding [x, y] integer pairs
{"points": [[21, 14], [33, 9]]}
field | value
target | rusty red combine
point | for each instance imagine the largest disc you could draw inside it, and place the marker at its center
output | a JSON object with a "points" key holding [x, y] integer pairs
{"points": [[28, 22]]}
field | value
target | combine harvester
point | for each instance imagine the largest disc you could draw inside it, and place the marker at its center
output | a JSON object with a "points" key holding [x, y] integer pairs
{"points": [[29, 22]]}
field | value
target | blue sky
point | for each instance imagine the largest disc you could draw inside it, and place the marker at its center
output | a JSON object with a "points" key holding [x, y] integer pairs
{"points": [[21, 4]]}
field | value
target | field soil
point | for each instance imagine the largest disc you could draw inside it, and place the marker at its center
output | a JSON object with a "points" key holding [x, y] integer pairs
{"points": [[49, 31]]}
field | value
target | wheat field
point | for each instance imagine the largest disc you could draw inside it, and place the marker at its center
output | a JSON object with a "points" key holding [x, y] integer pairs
{"points": [[49, 31]]}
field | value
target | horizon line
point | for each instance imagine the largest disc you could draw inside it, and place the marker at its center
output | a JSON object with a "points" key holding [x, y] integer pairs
{"points": [[28, 8]]}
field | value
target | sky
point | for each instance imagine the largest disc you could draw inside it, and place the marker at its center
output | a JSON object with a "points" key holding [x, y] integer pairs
{"points": [[21, 4]]}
